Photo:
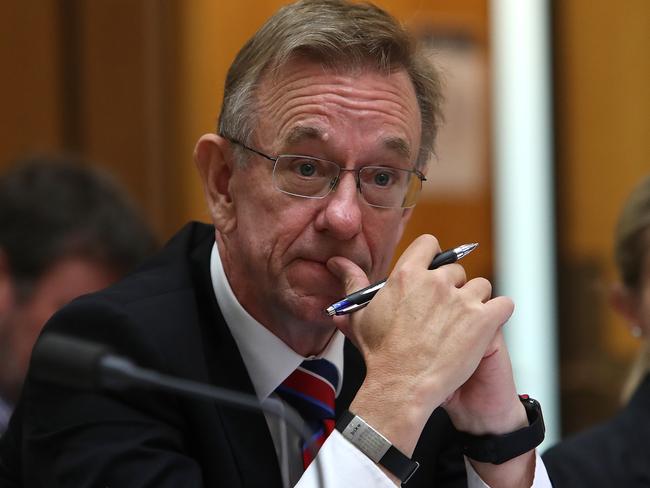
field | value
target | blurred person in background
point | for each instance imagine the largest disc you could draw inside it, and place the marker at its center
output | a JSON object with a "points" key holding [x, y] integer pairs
{"points": [[616, 453], [66, 229]]}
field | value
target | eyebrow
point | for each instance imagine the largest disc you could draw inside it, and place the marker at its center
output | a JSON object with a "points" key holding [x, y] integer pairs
{"points": [[300, 133], [399, 145]]}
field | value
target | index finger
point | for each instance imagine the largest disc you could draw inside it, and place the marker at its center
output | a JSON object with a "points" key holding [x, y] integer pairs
{"points": [[420, 252]]}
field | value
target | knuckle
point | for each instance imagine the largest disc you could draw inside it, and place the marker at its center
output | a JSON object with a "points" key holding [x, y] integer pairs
{"points": [[460, 270], [429, 240], [484, 284]]}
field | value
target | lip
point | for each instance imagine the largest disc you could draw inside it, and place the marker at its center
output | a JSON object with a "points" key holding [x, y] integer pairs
{"points": [[311, 261], [320, 253], [323, 262], [314, 271]]}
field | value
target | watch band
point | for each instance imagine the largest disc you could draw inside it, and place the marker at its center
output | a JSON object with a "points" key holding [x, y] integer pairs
{"points": [[374, 445], [498, 449]]}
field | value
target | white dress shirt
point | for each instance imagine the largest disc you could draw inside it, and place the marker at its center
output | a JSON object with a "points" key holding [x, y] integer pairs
{"points": [[269, 361]]}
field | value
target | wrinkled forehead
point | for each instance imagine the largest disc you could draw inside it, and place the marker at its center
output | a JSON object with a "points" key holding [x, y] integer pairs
{"points": [[303, 86]]}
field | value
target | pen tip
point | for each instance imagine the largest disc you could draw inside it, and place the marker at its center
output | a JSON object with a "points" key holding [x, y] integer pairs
{"points": [[330, 311], [465, 249]]}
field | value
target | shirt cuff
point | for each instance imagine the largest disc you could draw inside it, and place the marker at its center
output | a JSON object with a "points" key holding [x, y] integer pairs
{"points": [[540, 480], [343, 465]]}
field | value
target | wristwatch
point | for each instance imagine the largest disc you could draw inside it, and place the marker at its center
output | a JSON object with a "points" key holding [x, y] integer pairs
{"points": [[374, 445], [498, 449]]}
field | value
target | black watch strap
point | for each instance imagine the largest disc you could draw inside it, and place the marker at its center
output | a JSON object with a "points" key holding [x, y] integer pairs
{"points": [[376, 446], [498, 449]]}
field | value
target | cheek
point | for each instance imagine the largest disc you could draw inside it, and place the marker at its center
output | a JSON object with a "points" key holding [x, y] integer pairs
{"points": [[382, 235], [268, 226]]}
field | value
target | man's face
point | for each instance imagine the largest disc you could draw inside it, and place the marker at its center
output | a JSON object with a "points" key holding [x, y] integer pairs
{"points": [[23, 320], [275, 256]]}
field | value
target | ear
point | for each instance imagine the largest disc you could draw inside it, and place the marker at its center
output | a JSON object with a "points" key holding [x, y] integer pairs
{"points": [[213, 159], [625, 302], [7, 288]]}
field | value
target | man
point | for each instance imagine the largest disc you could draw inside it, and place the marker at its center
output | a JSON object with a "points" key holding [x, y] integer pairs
{"points": [[328, 117], [65, 230]]}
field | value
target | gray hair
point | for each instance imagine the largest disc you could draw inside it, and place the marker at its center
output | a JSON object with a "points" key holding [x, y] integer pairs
{"points": [[338, 34]]}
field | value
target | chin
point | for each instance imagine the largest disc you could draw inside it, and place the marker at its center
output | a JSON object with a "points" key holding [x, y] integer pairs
{"points": [[311, 308]]}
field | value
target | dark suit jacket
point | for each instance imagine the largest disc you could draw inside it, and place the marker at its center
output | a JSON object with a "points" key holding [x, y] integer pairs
{"points": [[165, 316], [613, 454]]}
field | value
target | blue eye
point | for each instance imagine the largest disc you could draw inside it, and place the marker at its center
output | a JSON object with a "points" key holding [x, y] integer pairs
{"points": [[307, 169], [382, 178]]}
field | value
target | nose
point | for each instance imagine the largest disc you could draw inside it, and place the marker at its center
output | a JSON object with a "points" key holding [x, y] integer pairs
{"points": [[341, 213]]}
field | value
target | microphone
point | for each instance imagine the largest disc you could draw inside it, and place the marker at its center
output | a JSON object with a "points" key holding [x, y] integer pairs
{"points": [[81, 364]]}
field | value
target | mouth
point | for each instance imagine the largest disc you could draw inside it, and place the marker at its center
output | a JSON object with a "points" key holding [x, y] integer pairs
{"points": [[320, 261], [313, 274], [316, 264]]}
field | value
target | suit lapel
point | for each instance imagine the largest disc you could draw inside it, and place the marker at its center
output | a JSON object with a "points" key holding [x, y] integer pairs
{"points": [[247, 432]]}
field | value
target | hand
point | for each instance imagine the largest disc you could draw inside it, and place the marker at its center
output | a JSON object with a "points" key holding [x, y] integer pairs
{"points": [[422, 336], [488, 401]]}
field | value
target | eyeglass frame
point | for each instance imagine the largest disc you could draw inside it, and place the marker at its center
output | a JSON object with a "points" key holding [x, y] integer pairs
{"points": [[335, 181]]}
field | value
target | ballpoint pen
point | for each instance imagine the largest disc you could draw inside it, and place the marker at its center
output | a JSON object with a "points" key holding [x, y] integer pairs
{"points": [[361, 298]]}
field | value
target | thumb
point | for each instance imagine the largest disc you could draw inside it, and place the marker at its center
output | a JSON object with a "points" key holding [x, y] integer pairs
{"points": [[353, 279], [351, 276]]}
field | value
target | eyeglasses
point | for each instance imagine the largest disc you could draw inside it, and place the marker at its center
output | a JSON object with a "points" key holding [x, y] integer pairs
{"points": [[309, 177]]}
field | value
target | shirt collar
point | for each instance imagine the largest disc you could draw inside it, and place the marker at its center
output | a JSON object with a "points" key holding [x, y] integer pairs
{"points": [[268, 360]]}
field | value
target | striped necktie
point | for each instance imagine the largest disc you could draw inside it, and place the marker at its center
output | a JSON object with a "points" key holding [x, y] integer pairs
{"points": [[311, 389]]}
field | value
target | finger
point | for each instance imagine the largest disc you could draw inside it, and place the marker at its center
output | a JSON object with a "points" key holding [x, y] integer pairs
{"points": [[501, 309], [420, 252], [348, 272], [451, 273], [479, 287]]}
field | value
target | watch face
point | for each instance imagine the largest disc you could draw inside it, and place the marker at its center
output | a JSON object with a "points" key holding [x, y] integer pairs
{"points": [[374, 445], [366, 439]]}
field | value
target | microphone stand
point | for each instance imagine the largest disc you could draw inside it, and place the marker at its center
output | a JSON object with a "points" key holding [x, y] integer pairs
{"points": [[83, 364]]}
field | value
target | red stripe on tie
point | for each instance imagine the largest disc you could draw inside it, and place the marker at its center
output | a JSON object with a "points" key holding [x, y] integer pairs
{"points": [[310, 385], [307, 457], [313, 396]]}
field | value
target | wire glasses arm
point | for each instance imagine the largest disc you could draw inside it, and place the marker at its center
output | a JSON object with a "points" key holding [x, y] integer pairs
{"points": [[419, 174], [235, 141]]}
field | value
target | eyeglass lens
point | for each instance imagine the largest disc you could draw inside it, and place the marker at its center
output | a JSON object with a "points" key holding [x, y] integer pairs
{"points": [[314, 178]]}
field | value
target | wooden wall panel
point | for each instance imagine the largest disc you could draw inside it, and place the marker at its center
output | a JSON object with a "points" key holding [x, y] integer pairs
{"points": [[602, 104], [121, 97], [29, 86]]}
